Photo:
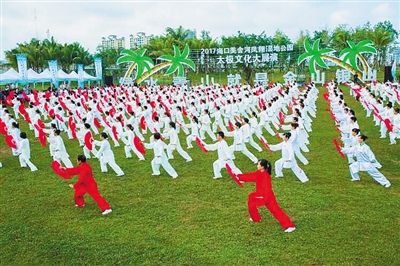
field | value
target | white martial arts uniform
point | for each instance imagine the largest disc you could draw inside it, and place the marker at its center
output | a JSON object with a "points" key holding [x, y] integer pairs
{"points": [[224, 157], [25, 154], [366, 161], [287, 161], [60, 152], [106, 156], [160, 158]]}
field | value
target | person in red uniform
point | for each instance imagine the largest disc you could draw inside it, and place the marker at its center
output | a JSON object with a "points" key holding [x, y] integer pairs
{"points": [[264, 196], [86, 184]]}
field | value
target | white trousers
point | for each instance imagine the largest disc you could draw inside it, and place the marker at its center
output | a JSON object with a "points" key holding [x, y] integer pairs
{"points": [[181, 152], [129, 148], [157, 162], [25, 161], [297, 171], [220, 164], [109, 159]]}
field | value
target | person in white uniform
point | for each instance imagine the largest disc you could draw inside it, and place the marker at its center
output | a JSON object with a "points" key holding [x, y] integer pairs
{"points": [[59, 151], [365, 161], [205, 121], [106, 155], [127, 139], [239, 143], [287, 160], [24, 151], [224, 156], [194, 132], [174, 143], [160, 157]]}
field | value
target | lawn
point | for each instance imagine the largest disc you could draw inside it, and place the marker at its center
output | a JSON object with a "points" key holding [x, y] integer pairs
{"points": [[195, 220]]}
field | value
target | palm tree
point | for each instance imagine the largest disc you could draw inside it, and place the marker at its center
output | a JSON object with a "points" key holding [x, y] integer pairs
{"points": [[354, 51], [138, 60], [175, 62], [51, 49], [381, 39], [178, 36]]}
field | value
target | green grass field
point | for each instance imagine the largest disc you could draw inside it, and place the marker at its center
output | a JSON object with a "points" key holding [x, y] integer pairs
{"points": [[195, 220]]}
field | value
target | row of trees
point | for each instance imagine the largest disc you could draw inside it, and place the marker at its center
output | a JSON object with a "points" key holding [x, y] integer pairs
{"points": [[383, 36], [39, 52]]}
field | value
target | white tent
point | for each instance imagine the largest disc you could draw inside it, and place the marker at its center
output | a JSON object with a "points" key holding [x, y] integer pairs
{"points": [[73, 75], [10, 76], [45, 76], [34, 77], [88, 77], [62, 76]]}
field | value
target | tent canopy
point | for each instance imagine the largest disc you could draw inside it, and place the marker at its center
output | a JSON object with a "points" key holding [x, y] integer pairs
{"points": [[12, 76]]}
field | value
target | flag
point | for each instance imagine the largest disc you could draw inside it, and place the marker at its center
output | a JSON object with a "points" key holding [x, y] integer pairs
{"points": [[394, 69], [22, 68], [98, 67], [80, 75], [53, 68]]}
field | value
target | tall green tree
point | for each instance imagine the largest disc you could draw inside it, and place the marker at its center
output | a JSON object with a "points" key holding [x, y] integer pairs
{"points": [[340, 35], [383, 35], [178, 36]]}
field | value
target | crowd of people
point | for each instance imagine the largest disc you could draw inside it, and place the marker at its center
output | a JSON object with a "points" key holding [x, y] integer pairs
{"points": [[155, 117]]}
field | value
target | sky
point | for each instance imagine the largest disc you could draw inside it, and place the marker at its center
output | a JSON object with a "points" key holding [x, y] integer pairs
{"points": [[87, 22]]}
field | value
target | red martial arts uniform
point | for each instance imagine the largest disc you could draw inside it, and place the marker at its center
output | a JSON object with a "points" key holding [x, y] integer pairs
{"points": [[86, 184], [264, 196]]}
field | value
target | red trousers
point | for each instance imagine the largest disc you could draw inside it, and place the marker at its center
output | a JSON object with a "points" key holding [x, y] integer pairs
{"points": [[92, 190], [272, 205]]}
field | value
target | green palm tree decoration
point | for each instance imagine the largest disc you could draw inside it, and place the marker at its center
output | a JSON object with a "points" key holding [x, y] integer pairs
{"points": [[175, 63], [314, 54], [138, 60], [354, 51], [178, 60]]}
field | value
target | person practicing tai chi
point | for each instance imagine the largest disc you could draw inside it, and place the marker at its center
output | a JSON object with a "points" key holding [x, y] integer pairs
{"points": [[160, 158], [239, 143], [60, 152], [224, 156], [174, 143], [365, 161], [24, 151], [128, 140], [86, 184], [287, 160], [106, 155], [264, 196]]}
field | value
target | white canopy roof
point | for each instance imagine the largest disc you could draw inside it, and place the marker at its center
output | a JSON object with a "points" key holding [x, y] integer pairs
{"points": [[10, 76]]}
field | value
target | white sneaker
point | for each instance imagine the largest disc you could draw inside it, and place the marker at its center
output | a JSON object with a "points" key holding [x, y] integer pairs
{"points": [[189, 160], [120, 175], [215, 177], [155, 174], [190, 147], [352, 180], [387, 185], [174, 177], [106, 212], [290, 229]]}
